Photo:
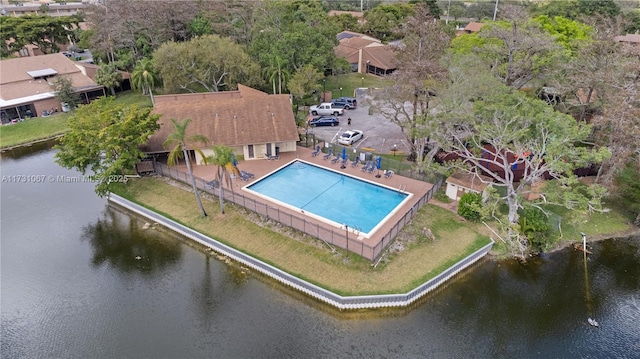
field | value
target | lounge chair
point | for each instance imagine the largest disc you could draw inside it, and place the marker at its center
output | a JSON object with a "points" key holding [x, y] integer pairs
{"points": [[366, 166], [371, 168], [344, 161], [329, 154], [315, 153], [245, 177], [388, 174], [355, 162], [271, 157], [212, 184], [246, 174], [336, 159]]}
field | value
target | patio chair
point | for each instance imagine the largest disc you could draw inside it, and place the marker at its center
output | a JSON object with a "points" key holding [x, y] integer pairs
{"points": [[271, 157], [212, 184], [355, 162], [246, 174], [336, 159], [315, 153], [245, 178], [366, 166], [371, 168], [344, 161], [329, 154], [388, 174]]}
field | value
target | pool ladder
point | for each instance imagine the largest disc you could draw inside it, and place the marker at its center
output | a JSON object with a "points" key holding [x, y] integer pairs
{"points": [[402, 188]]}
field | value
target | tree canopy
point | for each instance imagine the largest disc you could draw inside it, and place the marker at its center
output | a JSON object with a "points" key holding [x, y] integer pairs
{"points": [[207, 63], [44, 31], [298, 32], [104, 139], [509, 131]]}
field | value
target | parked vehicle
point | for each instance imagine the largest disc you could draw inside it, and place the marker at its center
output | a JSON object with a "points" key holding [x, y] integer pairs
{"points": [[349, 102], [324, 121], [350, 137], [326, 108]]}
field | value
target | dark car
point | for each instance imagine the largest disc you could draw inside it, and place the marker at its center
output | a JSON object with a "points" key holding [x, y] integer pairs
{"points": [[350, 101], [324, 121]]}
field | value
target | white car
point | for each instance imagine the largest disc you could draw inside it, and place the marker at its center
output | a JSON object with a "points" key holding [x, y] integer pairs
{"points": [[349, 137]]}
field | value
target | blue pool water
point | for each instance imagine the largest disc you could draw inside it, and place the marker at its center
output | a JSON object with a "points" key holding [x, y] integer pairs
{"points": [[331, 195]]}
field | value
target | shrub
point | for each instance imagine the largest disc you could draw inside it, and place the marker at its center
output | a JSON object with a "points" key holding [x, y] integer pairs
{"points": [[535, 225], [469, 206]]}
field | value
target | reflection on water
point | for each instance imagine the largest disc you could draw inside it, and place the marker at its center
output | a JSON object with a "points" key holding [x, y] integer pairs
{"points": [[129, 245], [73, 288]]}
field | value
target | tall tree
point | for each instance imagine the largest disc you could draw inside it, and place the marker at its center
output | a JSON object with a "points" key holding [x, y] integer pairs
{"points": [[511, 130], [105, 138], [222, 158], [109, 77], [45, 32], [145, 77], [432, 5], [276, 71], [179, 142], [417, 78], [601, 85], [517, 51], [303, 82], [384, 20], [207, 63], [299, 32], [598, 7], [65, 92]]}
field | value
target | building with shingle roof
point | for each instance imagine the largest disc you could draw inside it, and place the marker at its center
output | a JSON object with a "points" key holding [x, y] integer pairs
{"points": [[250, 121], [365, 53], [25, 89], [631, 39]]}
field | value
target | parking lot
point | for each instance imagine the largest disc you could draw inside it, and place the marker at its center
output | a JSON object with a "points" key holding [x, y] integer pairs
{"points": [[380, 134]]}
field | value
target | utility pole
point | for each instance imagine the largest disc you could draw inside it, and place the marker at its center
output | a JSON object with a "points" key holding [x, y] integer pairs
{"points": [[495, 11]]}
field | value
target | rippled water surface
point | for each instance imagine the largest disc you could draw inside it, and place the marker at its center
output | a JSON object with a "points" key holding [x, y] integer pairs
{"points": [[71, 287]]}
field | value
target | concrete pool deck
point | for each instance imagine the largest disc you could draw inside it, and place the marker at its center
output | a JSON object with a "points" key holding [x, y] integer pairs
{"points": [[261, 167]]}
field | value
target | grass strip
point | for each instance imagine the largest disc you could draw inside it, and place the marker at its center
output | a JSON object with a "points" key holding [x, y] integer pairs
{"points": [[421, 258]]}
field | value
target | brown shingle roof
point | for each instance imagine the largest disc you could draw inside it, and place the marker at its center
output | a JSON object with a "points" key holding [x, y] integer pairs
{"points": [[630, 38], [17, 83], [473, 27], [469, 181], [233, 118], [380, 56]]}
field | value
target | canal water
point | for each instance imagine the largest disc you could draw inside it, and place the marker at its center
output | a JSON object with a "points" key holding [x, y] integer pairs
{"points": [[72, 286]]}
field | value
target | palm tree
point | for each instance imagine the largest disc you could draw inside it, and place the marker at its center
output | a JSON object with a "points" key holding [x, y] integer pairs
{"points": [[276, 71], [178, 138], [222, 157], [145, 77], [109, 77]]}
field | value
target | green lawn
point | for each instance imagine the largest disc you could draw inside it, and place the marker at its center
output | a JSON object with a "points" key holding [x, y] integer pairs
{"points": [[307, 258], [46, 127]]}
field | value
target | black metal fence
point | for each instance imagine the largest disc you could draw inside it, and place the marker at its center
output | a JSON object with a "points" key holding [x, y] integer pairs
{"points": [[329, 235]]}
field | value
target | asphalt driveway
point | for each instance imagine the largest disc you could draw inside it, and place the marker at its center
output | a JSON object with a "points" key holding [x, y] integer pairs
{"points": [[380, 134]]}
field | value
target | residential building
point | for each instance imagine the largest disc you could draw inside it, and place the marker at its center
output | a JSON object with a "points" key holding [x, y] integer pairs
{"points": [[25, 89], [252, 122], [51, 8], [365, 53]]}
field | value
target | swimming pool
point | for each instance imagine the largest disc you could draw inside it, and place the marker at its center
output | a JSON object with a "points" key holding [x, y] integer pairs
{"points": [[330, 196]]}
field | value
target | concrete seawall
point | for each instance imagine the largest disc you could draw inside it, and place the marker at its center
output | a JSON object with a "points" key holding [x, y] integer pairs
{"points": [[321, 294]]}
